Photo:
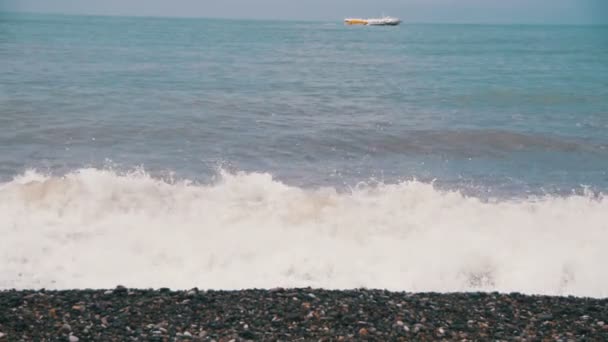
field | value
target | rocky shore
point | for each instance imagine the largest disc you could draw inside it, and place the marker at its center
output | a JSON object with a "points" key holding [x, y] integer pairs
{"points": [[125, 314]]}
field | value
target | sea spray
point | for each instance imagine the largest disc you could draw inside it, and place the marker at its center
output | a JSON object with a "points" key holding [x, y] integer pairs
{"points": [[95, 228]]}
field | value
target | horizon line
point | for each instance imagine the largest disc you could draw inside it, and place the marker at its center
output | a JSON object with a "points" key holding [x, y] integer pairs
{"points": [[190, 17]]}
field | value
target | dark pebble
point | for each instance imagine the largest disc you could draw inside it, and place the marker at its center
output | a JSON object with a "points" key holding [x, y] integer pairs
{"points": [[296, 314], [247, 335]]}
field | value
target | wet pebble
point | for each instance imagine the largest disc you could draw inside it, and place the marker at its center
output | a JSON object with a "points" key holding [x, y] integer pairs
{"points": [[297, 314]]}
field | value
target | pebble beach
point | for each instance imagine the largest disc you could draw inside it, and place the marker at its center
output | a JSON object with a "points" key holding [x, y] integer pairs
{"points": [[123, 314]]}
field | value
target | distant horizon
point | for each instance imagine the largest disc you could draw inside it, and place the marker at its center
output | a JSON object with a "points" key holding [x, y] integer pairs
{"points": [[486, 12], [340, 20]]}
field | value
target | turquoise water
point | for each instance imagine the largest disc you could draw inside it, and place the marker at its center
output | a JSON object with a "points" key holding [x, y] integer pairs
{"points": [[509, 109], [230, 154]]}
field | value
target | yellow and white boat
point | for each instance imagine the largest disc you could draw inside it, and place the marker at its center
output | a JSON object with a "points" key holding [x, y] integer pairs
{"points": [[384, 21]]}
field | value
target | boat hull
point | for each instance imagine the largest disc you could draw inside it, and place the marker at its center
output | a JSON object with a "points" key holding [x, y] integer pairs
{"points": [[387, 21]]}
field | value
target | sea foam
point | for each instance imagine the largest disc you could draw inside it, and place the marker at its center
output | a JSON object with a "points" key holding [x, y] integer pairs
{"points": [[96, 229]]}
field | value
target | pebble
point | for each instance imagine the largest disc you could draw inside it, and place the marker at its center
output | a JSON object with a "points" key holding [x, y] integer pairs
{"points": [[2, 334], [275, 315], [73, 338]]}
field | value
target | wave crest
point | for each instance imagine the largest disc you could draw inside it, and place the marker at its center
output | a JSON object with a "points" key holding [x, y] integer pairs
{"points": [[96, 228]]}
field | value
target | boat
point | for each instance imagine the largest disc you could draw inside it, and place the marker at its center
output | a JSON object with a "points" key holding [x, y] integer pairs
{"points": [[384, 21]]}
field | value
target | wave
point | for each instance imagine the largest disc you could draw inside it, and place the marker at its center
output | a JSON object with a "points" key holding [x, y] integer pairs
{"points": [[96, 228], [450, 142]]}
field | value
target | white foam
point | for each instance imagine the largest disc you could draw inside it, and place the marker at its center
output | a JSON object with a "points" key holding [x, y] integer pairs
{"points": [[97, 229]]}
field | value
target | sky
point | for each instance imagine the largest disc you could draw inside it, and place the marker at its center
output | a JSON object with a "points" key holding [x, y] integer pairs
{"points": [[429, 11]]}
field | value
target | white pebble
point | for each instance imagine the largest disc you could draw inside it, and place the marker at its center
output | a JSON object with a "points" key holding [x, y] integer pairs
{"points": [[187, 334], [2, 334], [73, 338], [601, 323]]}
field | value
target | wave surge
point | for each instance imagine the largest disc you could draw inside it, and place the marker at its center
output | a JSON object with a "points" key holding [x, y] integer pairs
{"points": [[96, 229]]}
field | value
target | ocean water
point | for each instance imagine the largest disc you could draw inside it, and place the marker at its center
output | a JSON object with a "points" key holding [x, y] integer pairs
{"points": [[233, 154]]}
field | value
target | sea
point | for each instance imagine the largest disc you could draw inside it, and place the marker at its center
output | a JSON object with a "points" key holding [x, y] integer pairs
{"points": [[232, 154]]}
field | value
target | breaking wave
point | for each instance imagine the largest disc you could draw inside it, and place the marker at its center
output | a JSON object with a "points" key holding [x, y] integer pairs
{"points": [[96, 229]]}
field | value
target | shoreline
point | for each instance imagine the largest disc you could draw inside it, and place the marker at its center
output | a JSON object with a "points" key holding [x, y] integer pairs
{"points": [[295, 314]]}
